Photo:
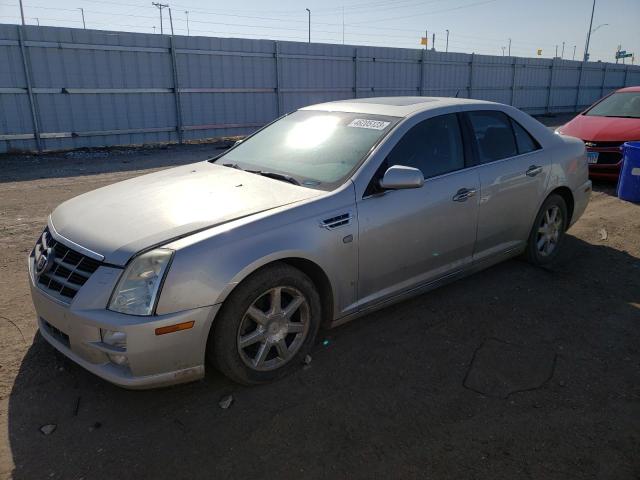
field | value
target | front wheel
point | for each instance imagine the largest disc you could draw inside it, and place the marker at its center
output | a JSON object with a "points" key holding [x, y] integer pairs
{"points": [[548, 231], [266, 326]]}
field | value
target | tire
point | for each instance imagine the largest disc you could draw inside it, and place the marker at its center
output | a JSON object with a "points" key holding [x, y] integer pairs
{"points": [[546, 239], [254, 341]]}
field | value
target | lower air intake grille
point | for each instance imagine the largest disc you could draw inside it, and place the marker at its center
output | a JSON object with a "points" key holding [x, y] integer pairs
{"points": [[60, 270]]}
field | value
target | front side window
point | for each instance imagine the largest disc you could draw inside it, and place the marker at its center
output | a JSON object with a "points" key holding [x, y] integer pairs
{"points": [[621, 104], [433, 146], [316, 149], [494, 135]]}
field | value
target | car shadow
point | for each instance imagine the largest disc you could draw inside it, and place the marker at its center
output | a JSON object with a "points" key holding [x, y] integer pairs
{"points": [[384, 395]]}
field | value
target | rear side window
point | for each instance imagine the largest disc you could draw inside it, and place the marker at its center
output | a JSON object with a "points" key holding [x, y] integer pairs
{"points": [[434, 146], [526, 143], [494, 135]]}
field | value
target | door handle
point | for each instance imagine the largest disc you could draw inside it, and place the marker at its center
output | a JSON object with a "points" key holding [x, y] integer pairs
{"points": [[464, 193], [533, 170]]}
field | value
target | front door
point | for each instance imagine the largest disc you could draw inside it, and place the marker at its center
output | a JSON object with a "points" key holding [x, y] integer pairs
{"points": [[412, 237]]}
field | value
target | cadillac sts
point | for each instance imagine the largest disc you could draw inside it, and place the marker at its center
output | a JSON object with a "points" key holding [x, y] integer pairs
{"points": [[325, 214]]}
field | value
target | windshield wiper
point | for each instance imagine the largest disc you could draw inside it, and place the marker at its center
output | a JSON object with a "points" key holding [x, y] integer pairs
{"points": [[274, 175]]}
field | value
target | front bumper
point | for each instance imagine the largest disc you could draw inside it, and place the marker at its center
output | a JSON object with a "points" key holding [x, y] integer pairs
{"points": [[606, 171], [152, 360]]}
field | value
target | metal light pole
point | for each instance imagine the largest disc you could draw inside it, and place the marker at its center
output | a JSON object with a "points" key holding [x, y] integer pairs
{"points": [[556, 51], [309, 12], [22, 12], [170, 21], [187, 14], [503, 47], [586, 48], [84, 25], [562, 54], [447, 47], [509, 47], [426, 38], [343, 24], [574, 53], [433, 41], [38, 20]]}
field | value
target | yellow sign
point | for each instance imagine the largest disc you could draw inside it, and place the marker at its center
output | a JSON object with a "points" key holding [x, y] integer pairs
{"points": [[424, 41], [539, 51]]}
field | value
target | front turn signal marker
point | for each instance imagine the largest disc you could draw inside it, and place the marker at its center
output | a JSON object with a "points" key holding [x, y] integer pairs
{"points": [[175, 328]]}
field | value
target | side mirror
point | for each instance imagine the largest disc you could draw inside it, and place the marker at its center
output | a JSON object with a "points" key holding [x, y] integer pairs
{"points": [[399, 177]]}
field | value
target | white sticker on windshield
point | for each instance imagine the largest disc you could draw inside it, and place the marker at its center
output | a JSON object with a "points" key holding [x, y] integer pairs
{"points": [[372, 124]]}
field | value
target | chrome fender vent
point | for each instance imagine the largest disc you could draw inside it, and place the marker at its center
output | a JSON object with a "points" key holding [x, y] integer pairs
{"points": [[337, 221]]}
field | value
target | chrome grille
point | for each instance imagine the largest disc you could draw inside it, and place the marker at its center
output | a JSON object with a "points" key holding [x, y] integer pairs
{"points": [[64, 270]]}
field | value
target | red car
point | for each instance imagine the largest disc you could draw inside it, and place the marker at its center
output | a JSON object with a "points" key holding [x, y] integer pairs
{"points": [[604, 127]]}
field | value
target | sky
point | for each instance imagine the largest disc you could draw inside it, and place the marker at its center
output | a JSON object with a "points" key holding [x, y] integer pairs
{"points": [[480, 26]]}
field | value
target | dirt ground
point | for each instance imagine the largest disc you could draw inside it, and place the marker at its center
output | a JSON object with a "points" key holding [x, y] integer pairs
{"points": [[514, 372]]}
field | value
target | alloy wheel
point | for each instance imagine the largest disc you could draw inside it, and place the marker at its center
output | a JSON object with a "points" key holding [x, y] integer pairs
{"points": [[549, 231], [273, 328]]}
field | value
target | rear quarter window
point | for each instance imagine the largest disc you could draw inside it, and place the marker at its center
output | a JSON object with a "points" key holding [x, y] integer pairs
{"points": [[524, 140]]}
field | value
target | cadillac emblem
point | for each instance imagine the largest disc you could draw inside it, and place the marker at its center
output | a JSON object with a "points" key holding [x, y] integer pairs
{"points": [[44, 258]]}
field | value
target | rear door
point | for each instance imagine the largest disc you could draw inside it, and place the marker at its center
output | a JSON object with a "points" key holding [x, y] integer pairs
{"points": [[513, 171], [411, 237]]}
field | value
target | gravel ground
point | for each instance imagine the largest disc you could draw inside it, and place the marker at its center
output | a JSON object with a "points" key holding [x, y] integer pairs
{"points": [[514, 372]]}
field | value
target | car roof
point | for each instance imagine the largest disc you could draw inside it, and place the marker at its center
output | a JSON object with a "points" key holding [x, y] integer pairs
{"points": [[394, 106], [629, 89]]}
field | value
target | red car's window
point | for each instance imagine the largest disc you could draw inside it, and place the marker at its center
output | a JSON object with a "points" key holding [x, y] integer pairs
{"points": [[621, 104]]}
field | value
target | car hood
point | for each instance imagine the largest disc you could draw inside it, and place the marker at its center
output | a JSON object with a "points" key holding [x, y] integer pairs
{"points": [[602, 129], [122, 219]]}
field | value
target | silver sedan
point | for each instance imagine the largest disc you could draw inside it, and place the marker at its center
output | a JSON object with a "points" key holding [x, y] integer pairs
{"points": [[324, 215]]}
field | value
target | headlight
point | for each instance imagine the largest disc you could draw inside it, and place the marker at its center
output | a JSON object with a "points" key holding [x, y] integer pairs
{"points": [[138, 287]]}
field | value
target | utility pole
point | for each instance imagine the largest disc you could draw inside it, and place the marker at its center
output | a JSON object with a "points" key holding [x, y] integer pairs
{"points": [[84, 25], [586, 48], [447, 47], [574, 53], [170, 21], [562, 54], [309, 14], [433, 42], [509, 47], [22, 12], [160, 7], [187, 14]]}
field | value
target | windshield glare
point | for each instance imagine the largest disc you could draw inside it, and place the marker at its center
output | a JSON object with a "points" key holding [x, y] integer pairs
{"points": [[318, 149], [621, 104]]}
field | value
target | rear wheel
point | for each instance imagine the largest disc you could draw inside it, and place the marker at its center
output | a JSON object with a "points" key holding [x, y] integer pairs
{"points": [[266, 326], [548, 231]]}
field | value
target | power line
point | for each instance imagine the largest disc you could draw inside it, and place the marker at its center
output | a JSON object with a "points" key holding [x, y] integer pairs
{"points": [[430, 13]]}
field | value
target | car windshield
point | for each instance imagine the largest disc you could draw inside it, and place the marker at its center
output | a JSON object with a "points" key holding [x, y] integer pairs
{"points": [[621, 104], [316, 149]]}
